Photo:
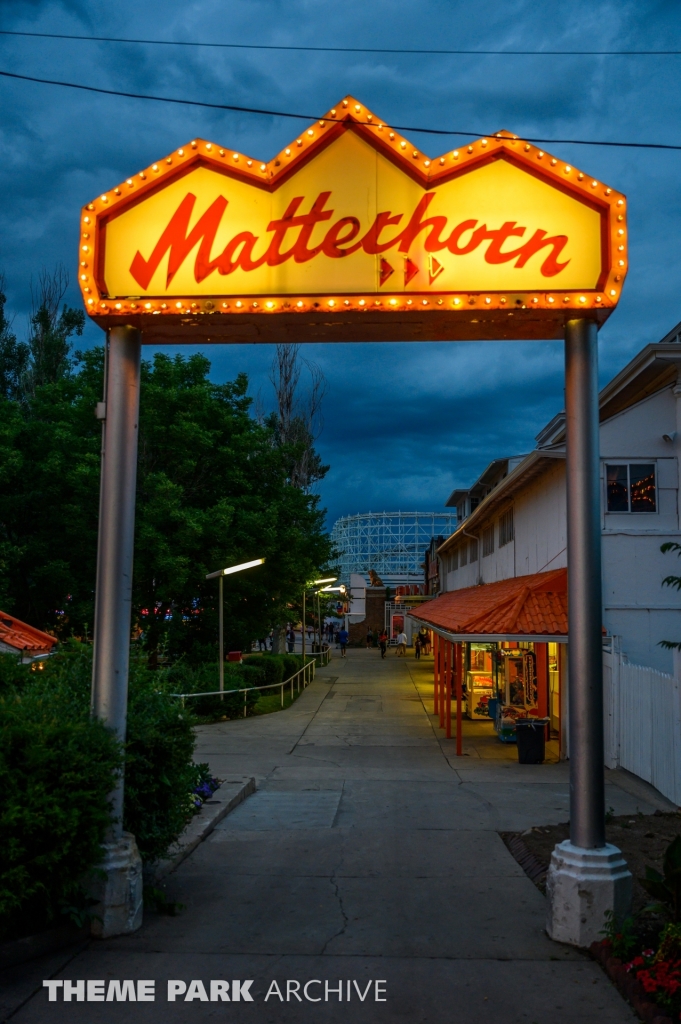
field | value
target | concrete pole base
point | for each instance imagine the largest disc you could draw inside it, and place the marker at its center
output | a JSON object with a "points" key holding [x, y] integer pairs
{"points": [[119, 894], [581, 886]]}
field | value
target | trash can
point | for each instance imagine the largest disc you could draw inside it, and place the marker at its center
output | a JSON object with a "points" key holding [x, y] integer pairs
{"points": [[530, 733]]}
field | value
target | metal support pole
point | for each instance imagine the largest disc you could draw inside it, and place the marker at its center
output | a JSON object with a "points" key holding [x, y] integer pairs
{"points": [[443, 681], [113, 597], [116, 890], [448, 709], [222, 641], [585, 654], [460, 682], [436, 670], [587, 877]]}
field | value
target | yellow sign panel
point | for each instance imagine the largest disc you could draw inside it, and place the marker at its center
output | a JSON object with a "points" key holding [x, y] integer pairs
{"points": [[354, 223]]}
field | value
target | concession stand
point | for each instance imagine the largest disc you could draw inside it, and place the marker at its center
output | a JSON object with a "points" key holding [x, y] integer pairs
{"points": [[499, 654]]}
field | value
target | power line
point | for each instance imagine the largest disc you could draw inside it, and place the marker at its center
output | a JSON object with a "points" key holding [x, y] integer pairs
{"points": [[349, 49], [314, 117]]}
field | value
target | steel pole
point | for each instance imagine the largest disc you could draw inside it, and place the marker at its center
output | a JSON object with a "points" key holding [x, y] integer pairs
{"points": [[113, 596], [222, 640], [585, 655]]}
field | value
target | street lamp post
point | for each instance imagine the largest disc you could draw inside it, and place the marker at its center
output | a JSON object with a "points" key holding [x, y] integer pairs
{"points": [[328, 590], [314, 583], [221, 573]]}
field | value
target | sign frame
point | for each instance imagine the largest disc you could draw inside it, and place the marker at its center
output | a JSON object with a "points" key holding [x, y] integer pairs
{"points": [[383, 315]]}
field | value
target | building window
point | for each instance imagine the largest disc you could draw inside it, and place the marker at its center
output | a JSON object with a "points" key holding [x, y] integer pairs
{"points": [[463, 554], [631, 487], [454, 560], [473, 551], [506, 533], [487, 541]]}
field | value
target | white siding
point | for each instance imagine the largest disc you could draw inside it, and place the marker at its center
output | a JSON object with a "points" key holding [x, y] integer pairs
{"points": [[636, 605]]}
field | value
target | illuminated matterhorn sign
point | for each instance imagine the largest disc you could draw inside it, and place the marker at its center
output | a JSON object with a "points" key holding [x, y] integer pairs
{"points": [[353, 233]]}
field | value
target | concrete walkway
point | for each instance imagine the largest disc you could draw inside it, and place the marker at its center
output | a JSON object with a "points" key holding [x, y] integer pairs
{"points": [[368, 855]]}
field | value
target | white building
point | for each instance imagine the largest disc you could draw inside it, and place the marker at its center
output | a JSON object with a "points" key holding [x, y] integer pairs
{"points": [[513, 519]]}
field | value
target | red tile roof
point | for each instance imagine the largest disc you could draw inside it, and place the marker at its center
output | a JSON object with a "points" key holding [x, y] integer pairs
{"points": [[522, 606], [22, 637]]}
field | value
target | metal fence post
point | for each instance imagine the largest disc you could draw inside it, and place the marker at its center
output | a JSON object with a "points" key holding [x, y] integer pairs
{"points": [[587, 877]]}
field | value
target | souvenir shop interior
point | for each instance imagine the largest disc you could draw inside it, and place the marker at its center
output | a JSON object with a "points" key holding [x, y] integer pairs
{"points": [[509, 680]]}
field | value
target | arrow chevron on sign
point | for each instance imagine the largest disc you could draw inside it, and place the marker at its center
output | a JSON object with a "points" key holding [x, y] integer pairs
{"points": [[386, 271], [410, 270], [435, 268]]}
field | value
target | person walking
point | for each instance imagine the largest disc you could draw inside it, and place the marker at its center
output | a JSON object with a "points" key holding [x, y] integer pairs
{"points": [[343, 637], [370, 639], [401, 644], [291, 638], [417, 647], [383, 643], [424, 637]]}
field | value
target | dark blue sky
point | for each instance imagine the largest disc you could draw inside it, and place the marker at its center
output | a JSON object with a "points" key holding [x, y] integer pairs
{"points": [[404, 423]]}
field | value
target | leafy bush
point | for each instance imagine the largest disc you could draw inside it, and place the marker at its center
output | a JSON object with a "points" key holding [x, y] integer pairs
{"points": [[620, 935], [186, 678], [666, 888], [159, 775], [292, 664], [271, 664], [57, 768]]}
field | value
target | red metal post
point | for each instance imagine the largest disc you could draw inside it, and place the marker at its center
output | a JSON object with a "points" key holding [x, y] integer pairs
{"points": [[448, 708], [459, 692], [541, 653], [443, 677], [436, 673]]}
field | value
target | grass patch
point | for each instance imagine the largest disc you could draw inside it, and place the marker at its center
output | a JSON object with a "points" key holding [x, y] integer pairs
{"points": [[270, 702]]}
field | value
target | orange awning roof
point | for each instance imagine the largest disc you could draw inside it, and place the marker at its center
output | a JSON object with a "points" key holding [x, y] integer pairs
{"points": [[524, 606], [22, 637]]}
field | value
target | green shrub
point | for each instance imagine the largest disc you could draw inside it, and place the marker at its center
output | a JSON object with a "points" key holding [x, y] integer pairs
{"points": [[271, 664], [186, 678], [292, 664], [57, 768], [159, 775], [12, 672]]}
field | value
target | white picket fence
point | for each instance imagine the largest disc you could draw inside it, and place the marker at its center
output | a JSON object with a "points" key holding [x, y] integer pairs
{"points": [[643, 722]]}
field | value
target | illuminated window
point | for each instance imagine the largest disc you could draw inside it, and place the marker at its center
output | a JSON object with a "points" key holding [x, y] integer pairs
{"points": [[631, 487], [506, 533]]}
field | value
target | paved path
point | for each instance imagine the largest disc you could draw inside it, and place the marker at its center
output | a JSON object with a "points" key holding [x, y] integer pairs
{"points": [[369, 854]]}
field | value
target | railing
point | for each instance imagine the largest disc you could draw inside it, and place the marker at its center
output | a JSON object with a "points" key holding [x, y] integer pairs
{"points": [[307, 672], [324, 655]]}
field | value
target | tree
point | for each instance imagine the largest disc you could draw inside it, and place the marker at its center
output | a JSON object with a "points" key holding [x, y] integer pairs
{"points": [[671, 581], [49, 343], [297, 421], [14, 355], [213, 489]]}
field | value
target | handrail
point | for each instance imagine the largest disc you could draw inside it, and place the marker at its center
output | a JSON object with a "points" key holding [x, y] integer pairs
{"points": [[311, 665]]}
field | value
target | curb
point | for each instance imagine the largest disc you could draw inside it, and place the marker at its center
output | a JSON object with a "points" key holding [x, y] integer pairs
{"points": [[628, 986], [225, 799], [20, 951], [531, 865]]}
